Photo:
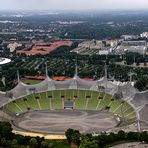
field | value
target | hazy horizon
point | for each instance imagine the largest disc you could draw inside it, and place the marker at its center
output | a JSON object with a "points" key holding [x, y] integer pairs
{"points": [[73, 5]]}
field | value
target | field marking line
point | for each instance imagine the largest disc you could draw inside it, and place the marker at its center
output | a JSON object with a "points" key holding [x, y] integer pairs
{"points": [[86, 104], [18, 107], [126, 109], [38, 104], [110, 103], [99, 101], [117, 108], [130, 114]]}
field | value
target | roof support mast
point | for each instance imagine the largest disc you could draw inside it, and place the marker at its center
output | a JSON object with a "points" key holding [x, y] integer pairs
{"points": [[46, 70], [18, 77], [105, 75], [76, 69]]}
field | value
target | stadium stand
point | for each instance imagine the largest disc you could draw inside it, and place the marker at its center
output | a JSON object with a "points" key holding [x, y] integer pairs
{"points": [[118, 98]]}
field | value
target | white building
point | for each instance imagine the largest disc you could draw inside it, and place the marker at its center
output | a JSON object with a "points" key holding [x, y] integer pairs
{"points": [[144, 35], [104, 52], [129, 37], [12, 46], [139, 49]]}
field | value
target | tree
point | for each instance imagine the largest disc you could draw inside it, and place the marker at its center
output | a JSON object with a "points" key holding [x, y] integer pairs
{"points": [[6, 130], [121, 135], [76, 138], [14, 144], [46, 144], [3, 142], [88, 142], [133, 136], [69, 134], [141, 83], [33, 143], [144, 136], [73, 136], [145, 63]]}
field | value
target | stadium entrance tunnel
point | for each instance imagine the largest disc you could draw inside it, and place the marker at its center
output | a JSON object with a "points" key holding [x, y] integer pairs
{"points": [[68, 104], [75, 99]]}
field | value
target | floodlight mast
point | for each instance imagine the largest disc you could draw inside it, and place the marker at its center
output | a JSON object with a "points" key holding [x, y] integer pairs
{"points": [[134, 60], [76, 68]]}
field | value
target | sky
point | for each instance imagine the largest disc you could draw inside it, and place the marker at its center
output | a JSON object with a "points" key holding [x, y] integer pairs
{"points": [[72, 4]]}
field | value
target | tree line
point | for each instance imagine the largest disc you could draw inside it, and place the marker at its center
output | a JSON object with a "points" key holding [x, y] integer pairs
{"points": [[75, 138], [10, 140]]}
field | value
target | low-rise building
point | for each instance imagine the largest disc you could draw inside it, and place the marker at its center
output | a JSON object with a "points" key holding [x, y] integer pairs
{"points": [[139, 49], [144, 35], [133, 43], [12, 46], [129, 37], [104, 52]]}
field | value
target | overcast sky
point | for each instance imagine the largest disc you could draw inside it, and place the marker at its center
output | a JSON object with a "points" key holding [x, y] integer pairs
{"points": [[72, 4]]}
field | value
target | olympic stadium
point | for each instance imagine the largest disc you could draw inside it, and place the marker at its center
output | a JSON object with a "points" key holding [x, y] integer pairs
{"points": [[51, 107]]}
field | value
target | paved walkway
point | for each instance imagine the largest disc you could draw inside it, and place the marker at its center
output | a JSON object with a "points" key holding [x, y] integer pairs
{"points": [[131, 145]]}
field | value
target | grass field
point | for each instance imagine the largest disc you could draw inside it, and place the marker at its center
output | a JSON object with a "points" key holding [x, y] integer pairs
{"points": [[31, 81]]}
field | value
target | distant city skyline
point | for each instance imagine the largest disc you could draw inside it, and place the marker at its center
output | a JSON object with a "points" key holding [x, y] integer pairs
{"points": [[73, 5]]}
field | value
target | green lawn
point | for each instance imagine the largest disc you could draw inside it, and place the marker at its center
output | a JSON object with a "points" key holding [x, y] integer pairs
{"points": [[31, 81]]}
